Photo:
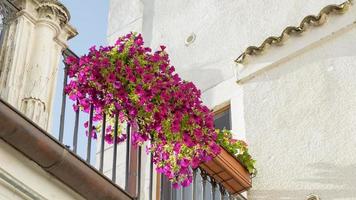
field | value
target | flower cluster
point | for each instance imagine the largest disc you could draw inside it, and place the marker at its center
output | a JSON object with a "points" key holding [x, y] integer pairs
{"points": [[238, 148], [141, 88]]}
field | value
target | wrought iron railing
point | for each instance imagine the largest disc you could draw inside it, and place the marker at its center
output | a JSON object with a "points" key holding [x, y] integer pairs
{"points": [[203, 187], [132, 154]]}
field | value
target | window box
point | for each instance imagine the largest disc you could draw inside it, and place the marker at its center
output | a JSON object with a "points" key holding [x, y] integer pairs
{"points": [[229, 172]]}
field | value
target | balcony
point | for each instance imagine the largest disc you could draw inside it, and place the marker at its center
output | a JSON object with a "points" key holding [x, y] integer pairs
{"points": [[100, 171]]}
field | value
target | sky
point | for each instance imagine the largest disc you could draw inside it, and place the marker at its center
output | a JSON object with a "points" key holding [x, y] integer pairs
{"points": [[90, 18]]}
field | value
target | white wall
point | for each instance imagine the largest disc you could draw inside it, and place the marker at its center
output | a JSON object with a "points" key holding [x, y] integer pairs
{"points": [[300, 124], [298, 118], [223, 28], [21, 178]]}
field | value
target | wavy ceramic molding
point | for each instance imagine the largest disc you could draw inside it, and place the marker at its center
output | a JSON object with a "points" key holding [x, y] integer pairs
{"points": [[310, 20], [307, 40]]}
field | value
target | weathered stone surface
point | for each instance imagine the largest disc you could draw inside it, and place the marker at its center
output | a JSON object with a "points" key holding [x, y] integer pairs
{"points": [[33, 39]]}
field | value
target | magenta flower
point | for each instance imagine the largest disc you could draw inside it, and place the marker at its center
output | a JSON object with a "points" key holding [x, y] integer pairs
{"points": [[143, 89]]}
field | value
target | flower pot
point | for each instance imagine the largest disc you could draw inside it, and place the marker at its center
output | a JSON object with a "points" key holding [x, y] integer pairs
{"points": [[229, 172]]}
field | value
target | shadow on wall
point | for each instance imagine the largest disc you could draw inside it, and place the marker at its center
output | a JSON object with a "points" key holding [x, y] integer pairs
{"points": [[340, 179]]}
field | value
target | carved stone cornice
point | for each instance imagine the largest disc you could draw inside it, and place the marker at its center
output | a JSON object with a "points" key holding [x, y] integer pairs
{"points": [[53, 10]]}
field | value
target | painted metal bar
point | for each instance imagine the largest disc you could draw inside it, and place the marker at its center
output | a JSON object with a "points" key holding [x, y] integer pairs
{"points": [[194, 185], [204, 179], [67, 53], [90, 130], [213, 188], [75, 131], [139, 172], [222, 192], [103, 127], [128, 134], [174, 193], [64, 102], [115, 149], [151, 178]]}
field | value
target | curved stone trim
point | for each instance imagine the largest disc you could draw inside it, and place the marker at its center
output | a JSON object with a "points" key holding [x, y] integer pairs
{"points": [[310, 20]]}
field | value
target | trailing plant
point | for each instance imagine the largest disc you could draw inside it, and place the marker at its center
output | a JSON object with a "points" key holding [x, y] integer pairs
{"points": [[141, 88], [238, 148]]}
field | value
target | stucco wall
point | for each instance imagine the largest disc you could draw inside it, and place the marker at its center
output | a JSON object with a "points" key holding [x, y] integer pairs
{"points": [[20, 178], [223, 29], [300, 124], [298, 118]]}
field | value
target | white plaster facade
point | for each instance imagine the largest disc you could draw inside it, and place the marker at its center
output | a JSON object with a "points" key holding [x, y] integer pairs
{"points": [[33, 39], [23, 179], [295, 105]]}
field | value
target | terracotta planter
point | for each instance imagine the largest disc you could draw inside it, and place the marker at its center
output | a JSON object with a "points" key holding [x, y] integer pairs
{"points": [[229, 172]]}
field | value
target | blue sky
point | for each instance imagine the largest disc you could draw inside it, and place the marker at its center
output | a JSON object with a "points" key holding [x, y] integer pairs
{"points": [[90, 18]]}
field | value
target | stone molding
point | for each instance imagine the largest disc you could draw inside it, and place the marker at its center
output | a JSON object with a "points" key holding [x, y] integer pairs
{"points": [[18, 187]]}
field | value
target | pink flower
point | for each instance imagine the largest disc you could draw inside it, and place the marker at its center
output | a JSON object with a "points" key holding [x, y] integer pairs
{"points": [[188, 140], [143, 88], [187, 182], [184, 162], [175, 185], [109, 139], [177, 147]]}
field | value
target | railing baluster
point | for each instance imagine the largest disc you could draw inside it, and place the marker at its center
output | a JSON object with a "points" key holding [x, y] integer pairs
{"points": [[75, 132], [213, 185], [139, 172], [222, 192], [128, 139], [204, 179], [115, 149], [151, 178], [172, 194], [64, 102], [101, 165], [90, 129], [194, 184]]}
